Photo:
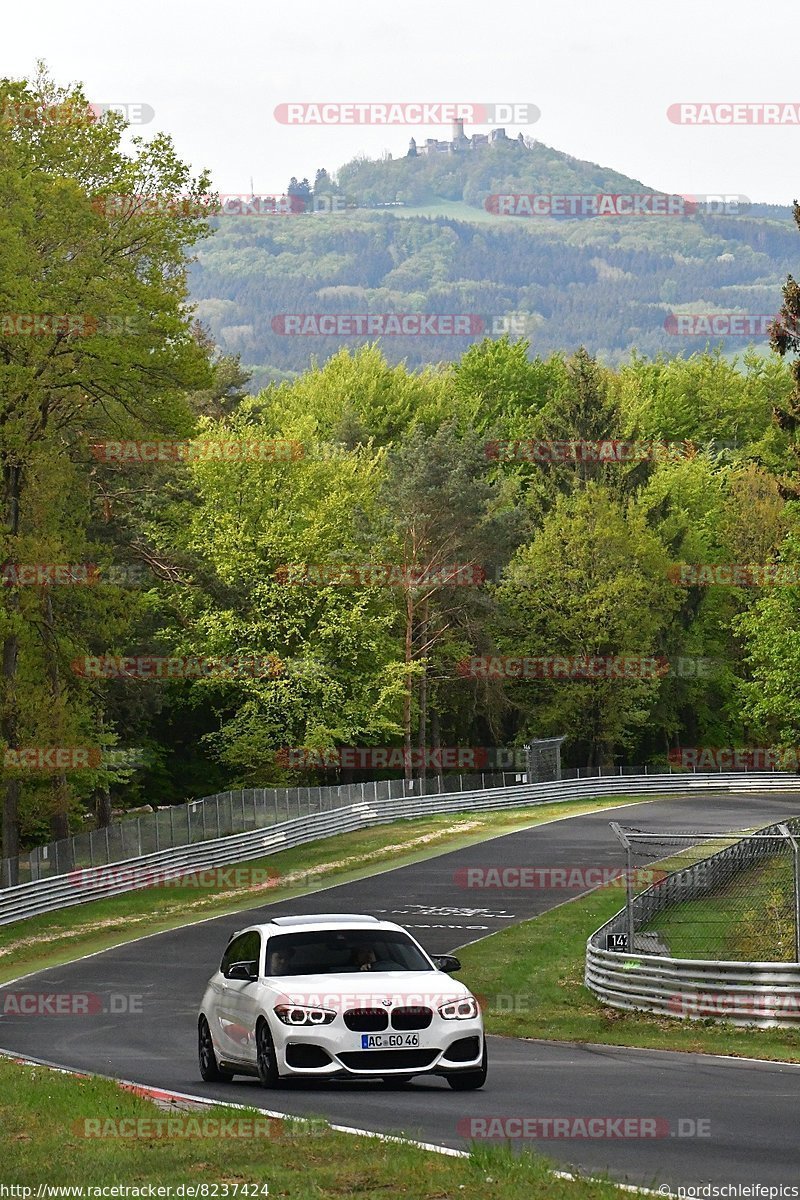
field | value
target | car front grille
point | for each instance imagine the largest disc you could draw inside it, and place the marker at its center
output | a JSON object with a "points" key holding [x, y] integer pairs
{"points": [[388, 1060], [366, 1020], [411, 1018]]}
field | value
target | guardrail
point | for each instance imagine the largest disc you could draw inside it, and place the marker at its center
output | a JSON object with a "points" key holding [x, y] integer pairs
{"points": [[232, 812], [764, 994], [81, 886], [223, 815]]}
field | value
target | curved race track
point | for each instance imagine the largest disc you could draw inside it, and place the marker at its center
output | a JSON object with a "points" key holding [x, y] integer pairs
{"points": [[751, 1106]]}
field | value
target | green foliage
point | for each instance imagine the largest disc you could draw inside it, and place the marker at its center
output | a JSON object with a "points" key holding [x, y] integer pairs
{"points": [[393, 465], [593, 581]]}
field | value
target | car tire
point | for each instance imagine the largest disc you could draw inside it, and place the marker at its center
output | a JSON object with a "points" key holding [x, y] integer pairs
{"points": [[266, 1059], [210, 1070], [470, 1081]]}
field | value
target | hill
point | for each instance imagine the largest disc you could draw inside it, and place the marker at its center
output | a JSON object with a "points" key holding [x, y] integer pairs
{"points": [[611, 283]]}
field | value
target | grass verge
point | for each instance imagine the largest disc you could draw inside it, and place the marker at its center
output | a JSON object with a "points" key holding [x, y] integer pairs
{"points": [[532, 977], [55, 938], [43, 1116]]}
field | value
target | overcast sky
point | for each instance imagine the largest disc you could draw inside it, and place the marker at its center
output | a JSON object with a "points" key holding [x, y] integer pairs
{"points": [[602, 75]]}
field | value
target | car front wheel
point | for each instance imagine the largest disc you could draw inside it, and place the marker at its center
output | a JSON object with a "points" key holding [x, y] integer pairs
{"points": [[210, 1070], [470, 1081], [265, 1056]]}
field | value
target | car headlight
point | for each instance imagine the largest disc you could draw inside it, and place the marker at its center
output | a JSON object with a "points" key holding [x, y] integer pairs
{"points": [[299, 1014], [460, 1010]]}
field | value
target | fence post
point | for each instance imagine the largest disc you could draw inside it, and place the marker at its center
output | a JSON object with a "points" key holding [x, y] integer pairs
{"points": [[628, 881], [784, 829]]}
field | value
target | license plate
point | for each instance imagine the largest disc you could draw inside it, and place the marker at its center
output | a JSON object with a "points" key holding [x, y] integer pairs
{"points": [[388, 1041]]}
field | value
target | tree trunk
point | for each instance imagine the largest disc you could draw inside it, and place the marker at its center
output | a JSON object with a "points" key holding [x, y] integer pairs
{"points": [[409, 682], [436, 731], [423, 700], [59, 810], [9, 721], [102, 807], [8, 726]]}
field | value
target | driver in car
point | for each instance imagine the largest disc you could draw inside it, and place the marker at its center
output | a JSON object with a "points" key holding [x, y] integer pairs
{"points": [[362, 958], [280, 961]]}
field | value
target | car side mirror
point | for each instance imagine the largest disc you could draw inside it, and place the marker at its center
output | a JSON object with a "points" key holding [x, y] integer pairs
{"points": [[447, 963], [247, 971]]}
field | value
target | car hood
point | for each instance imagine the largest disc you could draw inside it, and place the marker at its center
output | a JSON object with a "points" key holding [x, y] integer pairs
{"points": [[368, 988]]}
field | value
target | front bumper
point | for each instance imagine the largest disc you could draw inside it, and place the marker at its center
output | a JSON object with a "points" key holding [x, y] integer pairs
{"points": [[331, 1052]]}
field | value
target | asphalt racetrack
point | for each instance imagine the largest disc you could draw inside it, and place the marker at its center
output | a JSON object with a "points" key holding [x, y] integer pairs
{"points": [[751, 1108]]}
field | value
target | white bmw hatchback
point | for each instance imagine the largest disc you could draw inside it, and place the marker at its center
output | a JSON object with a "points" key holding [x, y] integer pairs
{"points": [[338, 997]]}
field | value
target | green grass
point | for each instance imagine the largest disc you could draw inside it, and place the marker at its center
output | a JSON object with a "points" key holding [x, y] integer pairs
{"points": [[751, 918], [42, 1115], [58, 937], [532, 977]]}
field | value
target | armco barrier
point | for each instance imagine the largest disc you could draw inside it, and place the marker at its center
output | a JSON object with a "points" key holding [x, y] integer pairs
{"points": [[227, 813], [763, 994], [744, 993], [62, 891]]}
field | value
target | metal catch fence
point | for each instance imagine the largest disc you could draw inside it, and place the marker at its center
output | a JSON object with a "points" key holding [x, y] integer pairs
{"points": [[739, 902], [717, 938], [228, 813], [139, 871], [221, 815]]}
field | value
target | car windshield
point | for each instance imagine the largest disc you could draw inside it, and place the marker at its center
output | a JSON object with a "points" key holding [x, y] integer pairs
{"points": [[339, 952]]}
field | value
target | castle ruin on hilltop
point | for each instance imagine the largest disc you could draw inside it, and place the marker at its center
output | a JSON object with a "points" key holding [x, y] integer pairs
{"points": [[459, 141]]}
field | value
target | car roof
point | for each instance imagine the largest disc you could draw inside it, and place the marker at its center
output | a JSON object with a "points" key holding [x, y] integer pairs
{"points": [[314, 921], [327, 918]]}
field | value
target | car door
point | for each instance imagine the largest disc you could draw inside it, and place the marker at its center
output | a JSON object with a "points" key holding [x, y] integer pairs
{"points": [[232, 1034], [241, 998]]}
